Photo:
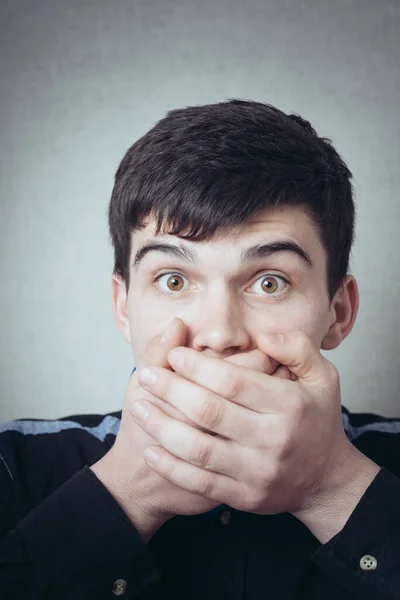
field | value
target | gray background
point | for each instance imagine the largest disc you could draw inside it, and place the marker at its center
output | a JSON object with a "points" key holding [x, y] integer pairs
{"points": [[81, 80]]}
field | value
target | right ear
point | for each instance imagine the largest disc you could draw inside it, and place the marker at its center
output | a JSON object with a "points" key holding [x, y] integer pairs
{"points": [[119, 302]]}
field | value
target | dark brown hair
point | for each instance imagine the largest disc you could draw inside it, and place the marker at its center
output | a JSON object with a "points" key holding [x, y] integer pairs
{"points": [[203, 170]]}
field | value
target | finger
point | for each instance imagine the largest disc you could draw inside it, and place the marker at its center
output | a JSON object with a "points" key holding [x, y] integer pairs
{"points": [[223, 489], [156, 350], [207, 409], [255, 360], [156, 353], [283, 372], [170, 410], [296, 351], [191, 445], [245, 387]]}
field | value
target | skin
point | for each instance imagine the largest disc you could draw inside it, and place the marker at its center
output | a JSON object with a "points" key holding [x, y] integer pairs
{"points": [[256, 460], [222, 314]]}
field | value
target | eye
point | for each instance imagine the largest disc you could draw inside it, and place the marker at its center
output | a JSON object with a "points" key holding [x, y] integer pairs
{"points": [[170, 282], [270, 285]]}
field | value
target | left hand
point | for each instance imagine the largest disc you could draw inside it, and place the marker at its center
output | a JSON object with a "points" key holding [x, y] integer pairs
{"points": [[279, 444]]}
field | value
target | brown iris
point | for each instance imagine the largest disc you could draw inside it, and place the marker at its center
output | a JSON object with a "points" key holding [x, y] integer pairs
{"points": [[174, 283], [270, 285]]}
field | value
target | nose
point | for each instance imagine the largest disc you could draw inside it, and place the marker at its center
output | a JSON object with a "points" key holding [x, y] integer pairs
{"points": [[218, 326]]}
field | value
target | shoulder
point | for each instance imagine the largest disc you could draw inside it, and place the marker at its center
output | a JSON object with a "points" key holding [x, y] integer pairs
{"points": [[38, 455], [90, 426], [376, 436]]}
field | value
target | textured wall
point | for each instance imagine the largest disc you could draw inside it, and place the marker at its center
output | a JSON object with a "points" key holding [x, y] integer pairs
{"points": [[81, 80]]}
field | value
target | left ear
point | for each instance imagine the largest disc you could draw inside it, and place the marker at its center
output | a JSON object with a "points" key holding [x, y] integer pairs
{"points": [[344, 309]]}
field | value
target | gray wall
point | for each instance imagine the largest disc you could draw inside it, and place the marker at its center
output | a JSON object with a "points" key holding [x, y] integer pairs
{"points": [[81, 80]]}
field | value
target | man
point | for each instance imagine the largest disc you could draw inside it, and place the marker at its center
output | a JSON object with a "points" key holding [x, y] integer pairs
{"points": [[233, 471]]}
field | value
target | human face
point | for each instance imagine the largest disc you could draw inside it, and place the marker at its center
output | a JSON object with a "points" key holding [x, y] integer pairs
{"points": [[223, 301]]}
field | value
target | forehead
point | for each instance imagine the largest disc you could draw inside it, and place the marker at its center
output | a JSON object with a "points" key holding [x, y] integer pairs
{"points": [[290, 222]]}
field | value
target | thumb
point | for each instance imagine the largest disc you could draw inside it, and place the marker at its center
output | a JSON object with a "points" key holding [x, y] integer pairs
{"points": [[156, 351], [259, 361], [297, 352], [156, 354], [254, 360]]}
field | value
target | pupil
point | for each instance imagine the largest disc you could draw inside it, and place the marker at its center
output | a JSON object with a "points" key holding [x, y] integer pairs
{"points": [[174, 282], [269, 284]]}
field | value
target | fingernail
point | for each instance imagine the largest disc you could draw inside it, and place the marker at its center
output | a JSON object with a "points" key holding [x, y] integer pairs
{"points": [[151, 456], [175, 359], [168, 331], [147, 376], [139, 411], [278, 337]]}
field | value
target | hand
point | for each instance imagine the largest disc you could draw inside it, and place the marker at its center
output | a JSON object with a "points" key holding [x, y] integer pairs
{"points": [[148, 499], [280, 445]]}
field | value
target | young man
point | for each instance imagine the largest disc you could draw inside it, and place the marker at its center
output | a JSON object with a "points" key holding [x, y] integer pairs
{"points": [[233, 470]]}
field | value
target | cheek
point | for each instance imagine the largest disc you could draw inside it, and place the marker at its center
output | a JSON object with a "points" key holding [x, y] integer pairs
{"points": [[301, 314], [310, 317], [147, 319]]}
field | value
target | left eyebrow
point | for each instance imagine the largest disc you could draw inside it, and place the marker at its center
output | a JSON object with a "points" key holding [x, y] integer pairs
{"points": [[264, 250], [253, 253]]}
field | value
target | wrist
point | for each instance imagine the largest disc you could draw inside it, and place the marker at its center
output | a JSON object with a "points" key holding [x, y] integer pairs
{"points": [[329, 510], [130, 496]]}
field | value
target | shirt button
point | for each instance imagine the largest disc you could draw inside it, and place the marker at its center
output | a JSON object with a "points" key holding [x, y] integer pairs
{"points": [[119, 588], [368, 563], [226, 517]]}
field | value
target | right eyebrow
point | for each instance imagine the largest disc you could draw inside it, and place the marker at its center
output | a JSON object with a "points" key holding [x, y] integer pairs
{"points": [[171, 250]]}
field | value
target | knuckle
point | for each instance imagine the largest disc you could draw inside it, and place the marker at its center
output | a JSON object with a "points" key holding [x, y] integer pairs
{"points": [[210, 413], [283, 444], [172, 470], [200, 453], [231, 385], [205, 485]]}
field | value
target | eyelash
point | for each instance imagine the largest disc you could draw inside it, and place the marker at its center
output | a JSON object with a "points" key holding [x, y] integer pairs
{"points": [[172, 273]]}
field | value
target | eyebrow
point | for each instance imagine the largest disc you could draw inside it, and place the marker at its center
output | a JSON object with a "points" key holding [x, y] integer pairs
{"points": [[253, 253]]}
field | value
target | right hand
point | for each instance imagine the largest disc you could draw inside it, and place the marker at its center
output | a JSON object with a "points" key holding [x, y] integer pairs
{"points": [[148, 499]]}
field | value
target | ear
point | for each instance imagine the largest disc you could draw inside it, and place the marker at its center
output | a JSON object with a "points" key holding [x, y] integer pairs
{"points": [[119, 302], [344, 309]]}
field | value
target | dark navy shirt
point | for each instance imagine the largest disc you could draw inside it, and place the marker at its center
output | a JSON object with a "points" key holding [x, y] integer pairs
{"points": [[64, 536]]}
